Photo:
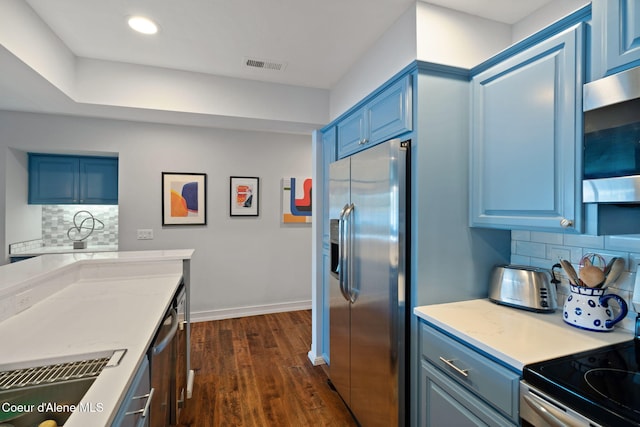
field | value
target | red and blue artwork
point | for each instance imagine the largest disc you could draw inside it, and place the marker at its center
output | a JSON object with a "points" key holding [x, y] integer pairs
{"points": [[296, 200]]}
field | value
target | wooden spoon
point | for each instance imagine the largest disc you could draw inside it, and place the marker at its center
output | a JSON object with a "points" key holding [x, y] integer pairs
{"points": [[571, 272], [591, 276], [617, 266]]}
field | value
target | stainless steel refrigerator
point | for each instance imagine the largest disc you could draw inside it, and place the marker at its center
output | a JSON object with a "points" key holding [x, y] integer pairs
{"points": [[369, 274]]}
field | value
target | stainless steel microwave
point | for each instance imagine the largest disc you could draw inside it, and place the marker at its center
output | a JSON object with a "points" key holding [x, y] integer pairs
{"points": [[611, 156]]}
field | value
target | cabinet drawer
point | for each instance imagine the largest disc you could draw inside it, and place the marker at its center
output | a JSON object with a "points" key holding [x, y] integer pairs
{"points": [[492, 382]]}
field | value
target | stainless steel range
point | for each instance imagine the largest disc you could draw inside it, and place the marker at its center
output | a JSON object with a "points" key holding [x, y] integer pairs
{"points": [[599, 387]]}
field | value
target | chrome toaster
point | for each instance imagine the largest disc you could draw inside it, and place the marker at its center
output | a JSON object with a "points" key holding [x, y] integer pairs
{"points": [[528, 288]]}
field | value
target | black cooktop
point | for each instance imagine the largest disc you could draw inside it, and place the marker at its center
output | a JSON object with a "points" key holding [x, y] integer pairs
{"points": [[602, 384]]}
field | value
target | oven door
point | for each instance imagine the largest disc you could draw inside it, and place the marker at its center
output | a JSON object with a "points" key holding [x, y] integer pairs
{"points": [[611, 156], [540, 410]]}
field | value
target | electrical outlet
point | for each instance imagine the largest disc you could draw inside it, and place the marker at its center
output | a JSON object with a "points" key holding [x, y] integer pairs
{"points": [[145, 234], [23, 300]]}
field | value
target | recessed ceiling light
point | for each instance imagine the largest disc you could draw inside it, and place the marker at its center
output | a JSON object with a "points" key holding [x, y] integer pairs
{"points": [[143, 25]]}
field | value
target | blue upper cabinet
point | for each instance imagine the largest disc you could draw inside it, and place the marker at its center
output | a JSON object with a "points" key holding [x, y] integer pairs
{"points": [[385, 116], [525, 166], [616, 36], [351, 133], [98, 180], [72, 180]]}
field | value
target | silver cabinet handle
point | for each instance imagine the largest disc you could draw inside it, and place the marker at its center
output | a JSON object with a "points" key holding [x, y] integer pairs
{"points": [[566, 223], [551, 415], [144, 411], [449, 363], [363, 141]]}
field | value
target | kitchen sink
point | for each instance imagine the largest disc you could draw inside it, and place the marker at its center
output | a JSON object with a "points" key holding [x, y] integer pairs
{"points": [[50, 390], [29, 406]]}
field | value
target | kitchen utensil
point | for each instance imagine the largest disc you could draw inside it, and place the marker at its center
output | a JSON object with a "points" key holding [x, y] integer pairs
{"points": [[593, 259], [571, 272], [587, 308], [523, 287], [617, 266], [591, 276]]}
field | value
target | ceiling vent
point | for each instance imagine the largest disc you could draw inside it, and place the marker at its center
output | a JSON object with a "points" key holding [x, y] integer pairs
{"points": [[263, 64]]}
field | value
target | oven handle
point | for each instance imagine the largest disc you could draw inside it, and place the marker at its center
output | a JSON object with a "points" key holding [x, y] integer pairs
{"points": [[166, 340], [553, 416]]}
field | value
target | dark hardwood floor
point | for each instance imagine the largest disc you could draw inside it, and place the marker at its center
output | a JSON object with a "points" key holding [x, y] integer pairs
{"points": [[254, 371]]}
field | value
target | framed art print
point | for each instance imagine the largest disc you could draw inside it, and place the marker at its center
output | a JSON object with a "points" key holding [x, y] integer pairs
{"points": [[296, 200], [184, 199], [244, 196]]}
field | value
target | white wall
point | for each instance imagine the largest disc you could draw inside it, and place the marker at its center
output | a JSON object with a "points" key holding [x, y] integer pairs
{"points": [[458, 39], [393, 51], [25, 219], [546, 15], [241, 265]]}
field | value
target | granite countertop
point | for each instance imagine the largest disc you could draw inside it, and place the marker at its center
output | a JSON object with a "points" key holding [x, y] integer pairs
{"points": [[513, 336], [113, 301]]}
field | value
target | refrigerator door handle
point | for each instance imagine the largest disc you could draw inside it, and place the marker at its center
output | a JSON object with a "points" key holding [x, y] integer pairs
{"points": [[351, 291], [342, 263]]}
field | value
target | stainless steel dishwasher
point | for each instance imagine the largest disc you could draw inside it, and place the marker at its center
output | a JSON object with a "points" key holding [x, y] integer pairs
{"points": [[182, 367], [162, 356]]}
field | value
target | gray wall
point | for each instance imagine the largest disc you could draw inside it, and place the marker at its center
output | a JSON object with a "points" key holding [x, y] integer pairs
{"points": [[241, 265]]}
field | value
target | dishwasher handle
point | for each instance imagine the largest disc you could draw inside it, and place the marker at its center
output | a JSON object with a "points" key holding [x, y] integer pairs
{"points": [[157, 349]]}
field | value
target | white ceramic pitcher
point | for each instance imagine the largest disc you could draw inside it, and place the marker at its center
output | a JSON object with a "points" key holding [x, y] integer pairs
{"points": [[588, 308]]}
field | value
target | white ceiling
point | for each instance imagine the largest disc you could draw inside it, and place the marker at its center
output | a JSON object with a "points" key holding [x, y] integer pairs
{"points": [[318, 40]]}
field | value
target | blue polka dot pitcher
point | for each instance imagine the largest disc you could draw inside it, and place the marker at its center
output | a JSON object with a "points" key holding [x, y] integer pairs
{"points": [[588, 308]]}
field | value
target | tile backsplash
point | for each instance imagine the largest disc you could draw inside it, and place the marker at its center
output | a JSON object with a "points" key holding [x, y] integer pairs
{"points": [[541, 249], [58, 219]]}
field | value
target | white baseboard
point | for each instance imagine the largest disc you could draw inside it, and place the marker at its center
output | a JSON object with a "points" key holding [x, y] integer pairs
{"points": [[230, 313], [315, 359]]}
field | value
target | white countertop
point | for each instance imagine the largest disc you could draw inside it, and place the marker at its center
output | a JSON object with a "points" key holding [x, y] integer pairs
{"points": [[515, 337], [63, 250], [95, 313]]}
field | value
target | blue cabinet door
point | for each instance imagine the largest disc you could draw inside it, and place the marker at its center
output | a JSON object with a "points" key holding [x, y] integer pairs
{"points": [[55, 179], [616, 36], [526, 138], [445, 403], [389, 114], [386, 115], [351, 133], [98, 181]]}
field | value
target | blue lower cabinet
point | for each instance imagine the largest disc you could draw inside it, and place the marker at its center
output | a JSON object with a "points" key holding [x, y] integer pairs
{"points": [[461, 387], [526, 147], [57, 179], [616, 36]]}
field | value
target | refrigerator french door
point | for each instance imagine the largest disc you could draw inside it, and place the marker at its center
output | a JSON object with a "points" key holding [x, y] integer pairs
{"points": [[367, 312]]}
